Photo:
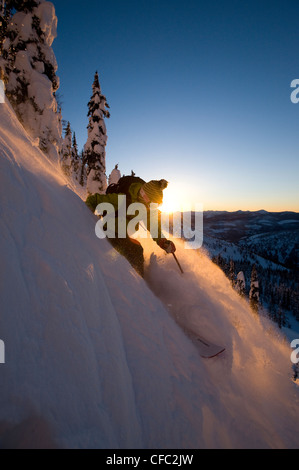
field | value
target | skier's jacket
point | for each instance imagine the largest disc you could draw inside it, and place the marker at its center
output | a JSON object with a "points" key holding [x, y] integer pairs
{"points": [[132, 196]]}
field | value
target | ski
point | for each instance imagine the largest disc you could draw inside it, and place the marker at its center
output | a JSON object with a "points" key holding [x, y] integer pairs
{"points": [[207, 350]]}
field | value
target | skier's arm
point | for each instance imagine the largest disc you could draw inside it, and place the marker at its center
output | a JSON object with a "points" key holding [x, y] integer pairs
{"points": [[160, 239], [95, 199], [156, 227]]}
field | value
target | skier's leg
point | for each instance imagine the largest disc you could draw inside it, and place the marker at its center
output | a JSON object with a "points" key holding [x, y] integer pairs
{"points": [[135, 255], [132, 251]]}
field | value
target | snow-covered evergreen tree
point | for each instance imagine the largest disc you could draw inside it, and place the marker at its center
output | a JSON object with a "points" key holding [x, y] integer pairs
{"points": [[231, 273], [115, 175], [29, 67], [83, 170], [75, 160], [241, 284], [94, 150], [5, 14], [254, 295], [66, 152]]}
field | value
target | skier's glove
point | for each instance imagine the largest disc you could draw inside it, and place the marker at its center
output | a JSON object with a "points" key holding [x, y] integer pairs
{"points": [[167, 245]]}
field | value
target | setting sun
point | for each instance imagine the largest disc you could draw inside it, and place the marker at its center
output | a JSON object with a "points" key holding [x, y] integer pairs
{"points": [[177, 198], [172, 199]]}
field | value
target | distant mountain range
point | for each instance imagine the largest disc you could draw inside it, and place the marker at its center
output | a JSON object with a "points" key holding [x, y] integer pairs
{"points": [[271, 235], [236, 241], [234, 226]]}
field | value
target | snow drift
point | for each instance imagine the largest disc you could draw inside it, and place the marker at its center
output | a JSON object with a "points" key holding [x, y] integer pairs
{"points": [[95, 360]]}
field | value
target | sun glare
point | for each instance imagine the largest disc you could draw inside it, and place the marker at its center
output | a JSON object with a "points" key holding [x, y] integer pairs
{"points": [[173, 200]]}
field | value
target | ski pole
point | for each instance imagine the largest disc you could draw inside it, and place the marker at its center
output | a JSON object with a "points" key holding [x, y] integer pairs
{"points": [[178, 263]]}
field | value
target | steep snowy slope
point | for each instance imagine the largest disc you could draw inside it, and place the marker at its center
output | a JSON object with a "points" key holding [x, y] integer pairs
{"points": [[93, 358]]}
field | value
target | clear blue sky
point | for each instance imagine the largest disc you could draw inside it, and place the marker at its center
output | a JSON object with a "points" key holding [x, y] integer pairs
{"points": [[199, 93]]}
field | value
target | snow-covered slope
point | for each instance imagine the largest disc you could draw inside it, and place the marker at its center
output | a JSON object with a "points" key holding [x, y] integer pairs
{"points": [[94, 359]]}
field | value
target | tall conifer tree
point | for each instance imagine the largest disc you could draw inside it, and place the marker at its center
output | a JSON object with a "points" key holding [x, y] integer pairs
{"points": [[66, 151], [5, 14], [241, 284], [29, 69], [94, 150], [254, 295], [231, 273], [75, 160]]}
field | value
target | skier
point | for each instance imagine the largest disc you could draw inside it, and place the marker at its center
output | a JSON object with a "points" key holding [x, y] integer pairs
{"points": [[135, 190]]}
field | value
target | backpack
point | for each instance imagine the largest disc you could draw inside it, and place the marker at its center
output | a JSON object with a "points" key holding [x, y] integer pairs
{"points": [[123, 185]]}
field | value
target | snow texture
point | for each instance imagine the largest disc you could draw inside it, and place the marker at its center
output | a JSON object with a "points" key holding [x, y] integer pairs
{"points": [[95, 360]]}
